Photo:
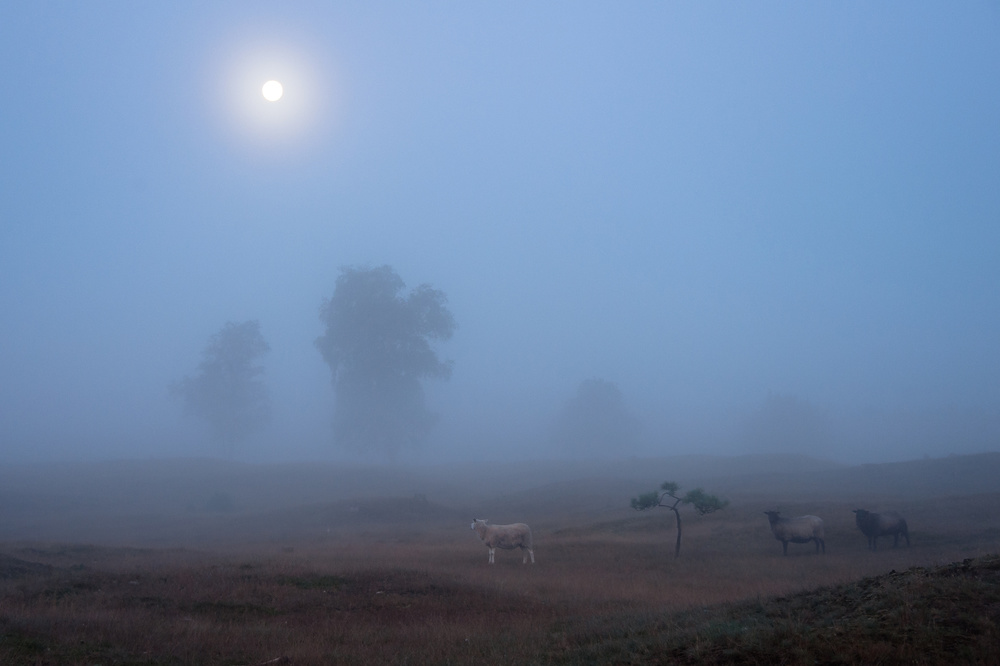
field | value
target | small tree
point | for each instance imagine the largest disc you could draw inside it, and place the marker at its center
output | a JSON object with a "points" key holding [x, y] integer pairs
{"points": [[667, 496], [227, 392]]}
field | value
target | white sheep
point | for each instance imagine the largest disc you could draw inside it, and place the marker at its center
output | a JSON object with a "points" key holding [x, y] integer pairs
{"points": [[802, 529], [507, 537]]}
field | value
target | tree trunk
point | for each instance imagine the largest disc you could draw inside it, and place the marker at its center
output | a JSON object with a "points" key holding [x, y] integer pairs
{"points": [[677, 548]]}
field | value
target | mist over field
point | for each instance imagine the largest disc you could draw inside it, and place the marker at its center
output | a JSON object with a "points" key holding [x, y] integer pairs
{"points": [[658, 229]]}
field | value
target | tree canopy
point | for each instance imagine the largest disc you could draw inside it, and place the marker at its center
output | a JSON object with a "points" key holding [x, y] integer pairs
{"points": [[667, 497], [227, 393], [788, 423], [378, 346], [596, 420]]}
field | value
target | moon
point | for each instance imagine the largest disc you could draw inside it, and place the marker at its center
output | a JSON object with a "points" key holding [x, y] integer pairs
{"points": [[272, 91]]}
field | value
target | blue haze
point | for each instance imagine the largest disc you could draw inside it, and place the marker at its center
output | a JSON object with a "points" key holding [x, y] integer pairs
{"points": [[706, 203]]}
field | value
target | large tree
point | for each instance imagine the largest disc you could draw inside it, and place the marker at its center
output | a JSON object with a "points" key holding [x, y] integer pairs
{"points": [[227, 393], [378, 346], [596, 421], [787, 424]]}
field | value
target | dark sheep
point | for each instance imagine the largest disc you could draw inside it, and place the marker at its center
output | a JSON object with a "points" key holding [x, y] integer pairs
{"points": [[873, 525]]}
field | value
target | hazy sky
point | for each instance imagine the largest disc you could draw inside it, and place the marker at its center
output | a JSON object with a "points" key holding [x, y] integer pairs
{"points": [[702, 202]]}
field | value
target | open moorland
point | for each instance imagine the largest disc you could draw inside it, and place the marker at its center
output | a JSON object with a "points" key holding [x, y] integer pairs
{"points": [[205, 562]]}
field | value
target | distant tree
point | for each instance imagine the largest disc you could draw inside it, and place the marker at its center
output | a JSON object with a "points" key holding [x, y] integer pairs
{"points": [[378, 346], [227, 392], [787, 423], [596, 420], [667, 497]]}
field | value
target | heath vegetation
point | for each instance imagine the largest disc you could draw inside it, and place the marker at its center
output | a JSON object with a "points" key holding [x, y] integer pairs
{"points": [[401, 580]]}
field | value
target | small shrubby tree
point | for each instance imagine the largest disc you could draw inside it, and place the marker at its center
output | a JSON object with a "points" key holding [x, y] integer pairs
{"points": [[227, 392], [667, 497]]}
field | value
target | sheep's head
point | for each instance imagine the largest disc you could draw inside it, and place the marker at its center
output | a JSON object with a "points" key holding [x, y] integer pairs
{"points": [[865, 520]]}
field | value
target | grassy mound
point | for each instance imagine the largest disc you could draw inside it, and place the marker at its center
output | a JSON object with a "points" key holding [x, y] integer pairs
{"points": [[241, 614], [939, 615]]}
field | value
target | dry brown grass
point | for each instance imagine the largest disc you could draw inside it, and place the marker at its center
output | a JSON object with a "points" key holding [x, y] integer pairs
{"points": [[422, 591]]}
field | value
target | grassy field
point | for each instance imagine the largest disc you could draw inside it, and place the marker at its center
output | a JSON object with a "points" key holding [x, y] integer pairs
{"points": [[402, 579]]}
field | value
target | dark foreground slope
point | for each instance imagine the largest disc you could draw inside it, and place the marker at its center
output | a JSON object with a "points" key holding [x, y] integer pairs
{"points": [[940, 615], [216, 613]]}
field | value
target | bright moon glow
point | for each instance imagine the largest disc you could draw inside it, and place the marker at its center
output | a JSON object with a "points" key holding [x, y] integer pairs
{"points": [[272, 91], [275, 97]]}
